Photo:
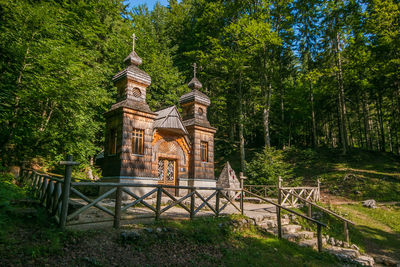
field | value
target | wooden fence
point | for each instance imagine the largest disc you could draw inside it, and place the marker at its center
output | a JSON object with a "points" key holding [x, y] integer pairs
{"points": [[269, 191], [55, 194], [289, 194]]}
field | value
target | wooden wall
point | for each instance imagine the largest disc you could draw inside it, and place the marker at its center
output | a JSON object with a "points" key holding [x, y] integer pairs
{"points": [[131, 164], [199, 169]]}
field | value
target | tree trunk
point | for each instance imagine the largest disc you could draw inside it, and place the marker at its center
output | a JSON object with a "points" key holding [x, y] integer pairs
{"points": [[380, 120], [266, 111], [390, 138], [314, 127], [241, 120], [367, 128], [360, 134], [342, 104]]}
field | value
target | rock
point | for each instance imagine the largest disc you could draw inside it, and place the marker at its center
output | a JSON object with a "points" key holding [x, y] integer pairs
{"points": [[220, 225], [346, 245], [165, 229], [365, 260], [370, 203], [354, 246], [338, 243], [344, 253], [130, 235], [386, 261], [331, 241], [290, 228], [324, 241], [149, 230], [159, 229]]}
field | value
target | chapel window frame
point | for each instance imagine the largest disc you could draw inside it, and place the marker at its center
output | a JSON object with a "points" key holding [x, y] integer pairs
{"points": [[137, 145], [204, 151]]}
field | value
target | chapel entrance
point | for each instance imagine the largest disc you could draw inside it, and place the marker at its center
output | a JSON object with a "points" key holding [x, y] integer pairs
{"points": [[167, 173]]}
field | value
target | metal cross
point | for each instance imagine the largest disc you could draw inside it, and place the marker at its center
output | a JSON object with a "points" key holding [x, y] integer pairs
{"points": [[194, 69], [134, 38]]}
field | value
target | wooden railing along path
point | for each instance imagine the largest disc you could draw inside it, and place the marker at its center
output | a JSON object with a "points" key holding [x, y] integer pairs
{"points": [[55, 193], [311, 204]]}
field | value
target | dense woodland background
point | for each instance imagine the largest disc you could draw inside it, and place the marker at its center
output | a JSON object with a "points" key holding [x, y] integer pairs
{"points": [[281, 73]]}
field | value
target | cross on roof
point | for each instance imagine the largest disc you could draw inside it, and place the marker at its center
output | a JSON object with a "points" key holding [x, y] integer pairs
{"points": [[194, 69], [134, 38]]}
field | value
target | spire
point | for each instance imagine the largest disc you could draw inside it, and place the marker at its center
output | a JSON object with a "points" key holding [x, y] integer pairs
{"points": [[133, 58], [195, 83]]}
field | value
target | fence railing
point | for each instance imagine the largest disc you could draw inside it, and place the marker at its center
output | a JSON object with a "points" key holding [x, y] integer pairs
{"points": [[55, 195], [269, 191], [309, 193], [47, 189], [311, 204]]}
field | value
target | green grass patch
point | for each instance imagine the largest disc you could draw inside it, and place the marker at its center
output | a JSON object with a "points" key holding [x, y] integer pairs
{"points": [[376, 231], [358, 175], [244, 246]]}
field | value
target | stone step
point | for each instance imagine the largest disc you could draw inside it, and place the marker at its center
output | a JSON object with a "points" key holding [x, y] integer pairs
{"points": [[268, 224], [312, 243], [265, 216], [293, 237], [290, 228], [306, 234]]}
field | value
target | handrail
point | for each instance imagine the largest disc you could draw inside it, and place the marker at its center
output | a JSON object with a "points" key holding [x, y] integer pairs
{"points": [[319, 207], [151, 185], [262, 185], [45, 175], [300, 187], [283, 207]]}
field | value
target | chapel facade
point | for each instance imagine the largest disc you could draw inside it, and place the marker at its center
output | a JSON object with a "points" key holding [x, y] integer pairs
{"points": [[157, 147]]}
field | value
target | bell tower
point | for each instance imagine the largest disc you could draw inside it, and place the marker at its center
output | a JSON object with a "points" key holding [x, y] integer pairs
{"points": [[129, 124], [195, 105]]}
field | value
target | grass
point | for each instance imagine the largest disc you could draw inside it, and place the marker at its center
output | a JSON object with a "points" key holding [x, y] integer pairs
{"points": [[377, 230], [358, 175], [31, 238]]}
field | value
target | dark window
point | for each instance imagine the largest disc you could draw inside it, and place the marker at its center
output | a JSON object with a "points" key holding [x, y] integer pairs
{"points": [[112, 142], [204, 151], [137, 141]]}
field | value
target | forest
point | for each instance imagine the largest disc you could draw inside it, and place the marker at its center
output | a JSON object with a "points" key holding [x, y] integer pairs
{"points": [[280, 73]]}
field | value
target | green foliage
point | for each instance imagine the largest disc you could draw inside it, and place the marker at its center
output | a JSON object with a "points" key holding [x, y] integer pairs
{"points": [[9, 190], [267, 166]]}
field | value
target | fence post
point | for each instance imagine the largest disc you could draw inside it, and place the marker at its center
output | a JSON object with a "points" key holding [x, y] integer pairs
{"points": [[346, 232], [319, 190], [66, 188], [158, 203], [278, 209], [192, 200], [217, 203], [117, 212], [319, 237], [242, 178], [309, 210]]}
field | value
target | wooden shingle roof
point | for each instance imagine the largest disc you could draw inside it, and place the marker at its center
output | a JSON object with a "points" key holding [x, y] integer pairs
{"points": [[169, 119], [196, 96]]}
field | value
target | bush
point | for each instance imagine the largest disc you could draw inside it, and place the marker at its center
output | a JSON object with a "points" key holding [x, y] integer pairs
{"points": [[267, 166]]}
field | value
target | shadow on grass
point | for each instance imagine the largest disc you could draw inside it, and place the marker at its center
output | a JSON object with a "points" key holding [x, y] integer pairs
{"points": [[376, 241]]}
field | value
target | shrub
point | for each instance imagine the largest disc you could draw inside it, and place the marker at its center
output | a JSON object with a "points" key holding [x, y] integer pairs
{"points": [[267, 166]]}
